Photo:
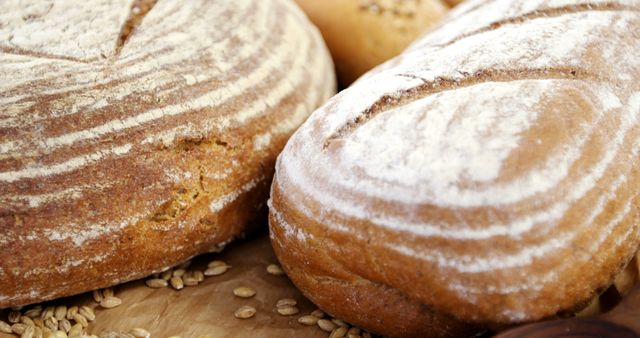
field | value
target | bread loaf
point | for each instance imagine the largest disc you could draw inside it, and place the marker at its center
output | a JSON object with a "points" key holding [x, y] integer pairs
{"points": [[488, 175], [136, 134], [453, 3], [362, 34]]}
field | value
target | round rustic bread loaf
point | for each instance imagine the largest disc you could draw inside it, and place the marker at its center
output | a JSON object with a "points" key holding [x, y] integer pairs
{"points": [[135, 134], [362, 34], [488, 175]]}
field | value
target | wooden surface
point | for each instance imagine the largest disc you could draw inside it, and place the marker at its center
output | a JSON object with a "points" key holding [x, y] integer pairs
{"points": [[622, 322], [208, 308]]}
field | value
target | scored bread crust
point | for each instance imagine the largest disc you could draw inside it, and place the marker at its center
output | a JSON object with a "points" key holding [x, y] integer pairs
{"points": [[137, 134], [489, 173]]}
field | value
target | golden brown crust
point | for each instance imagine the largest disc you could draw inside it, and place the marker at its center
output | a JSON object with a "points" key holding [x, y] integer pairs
{"points": [[362, 34], [453, 3], [489, 172], [145, 140], [335, 288]]}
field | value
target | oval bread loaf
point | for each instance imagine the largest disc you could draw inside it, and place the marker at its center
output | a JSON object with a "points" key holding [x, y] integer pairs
{"points": [[136, 134], [362, 34], [489, 175]]}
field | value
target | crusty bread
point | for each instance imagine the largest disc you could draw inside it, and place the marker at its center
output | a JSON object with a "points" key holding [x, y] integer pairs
{"points": [[362, 34], [490, 173], [134, 135], [453, 3]]}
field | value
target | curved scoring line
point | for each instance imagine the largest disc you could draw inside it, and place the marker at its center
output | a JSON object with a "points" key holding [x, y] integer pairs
{"points": [[550, 12], [247, 50], [440, 84], [209, 99], [608, 229], [537, 282], [524, 257], [161, 33], [72, 193], [457, 287], [513, 228], [302, 109], [254, 107], [58, 168], [275, 95], [255, 77], [299, 66], [145, 68]]}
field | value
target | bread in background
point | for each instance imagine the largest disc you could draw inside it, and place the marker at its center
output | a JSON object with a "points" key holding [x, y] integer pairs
{"points": [[453, 3], [361, 34]]}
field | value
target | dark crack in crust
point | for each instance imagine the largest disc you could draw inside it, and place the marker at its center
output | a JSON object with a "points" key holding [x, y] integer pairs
{"points": [[428, 88]]}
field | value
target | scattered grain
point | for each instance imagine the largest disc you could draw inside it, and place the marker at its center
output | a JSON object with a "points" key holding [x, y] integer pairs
{"points": [[275, 269], [47, 312], [60, 334], [76, 330], [37, 332], [286, 302], [18, 328], [340, 322], [115, 334], [179, 272], [308, 320], [80, 319], [354, 331], [140, 333], [64, 324], [60, 312], [51, 323], [353, 336], [245, 312], [108, 292], [27, 320], [288, 310], [87, 312], [5, 327], [198, 275], [97, 296], [244, 292], [156, 283], [14, 317], [216, 270], [46, 333], [177, 283], [166, 275], [339, 332], [33, 313], [215, 263], [189, 280], [326, 325], [28, 332], [39, 322], [318, 313], [72, 311], [110, 302]]}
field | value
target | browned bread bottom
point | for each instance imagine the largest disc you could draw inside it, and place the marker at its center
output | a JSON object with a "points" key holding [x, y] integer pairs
{"points": [[345, 294]]}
